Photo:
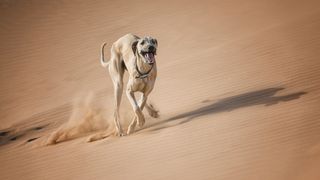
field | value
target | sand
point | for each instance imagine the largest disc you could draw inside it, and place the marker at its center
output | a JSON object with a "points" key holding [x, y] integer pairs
{"points": [[238, 90]]}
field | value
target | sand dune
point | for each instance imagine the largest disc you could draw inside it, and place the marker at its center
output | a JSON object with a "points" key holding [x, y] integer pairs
{"points": [[238, 90]]}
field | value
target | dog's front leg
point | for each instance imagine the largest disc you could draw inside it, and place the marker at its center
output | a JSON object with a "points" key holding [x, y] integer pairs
{"points": [[132, 125], [136, 107]]}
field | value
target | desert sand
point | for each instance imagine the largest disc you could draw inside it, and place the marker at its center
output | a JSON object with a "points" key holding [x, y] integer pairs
{"points": [[238, 90]]}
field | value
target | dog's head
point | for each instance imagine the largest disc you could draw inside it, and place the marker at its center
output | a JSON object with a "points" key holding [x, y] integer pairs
{"points": [[146, 48]]}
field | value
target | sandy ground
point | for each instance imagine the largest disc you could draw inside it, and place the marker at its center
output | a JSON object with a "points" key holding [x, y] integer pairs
{"points": [[238, 89]]}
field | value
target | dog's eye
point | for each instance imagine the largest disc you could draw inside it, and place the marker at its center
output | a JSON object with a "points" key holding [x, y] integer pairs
{"points": [[142, 42]]}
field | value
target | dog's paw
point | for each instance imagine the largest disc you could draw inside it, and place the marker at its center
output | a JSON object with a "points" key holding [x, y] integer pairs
{"points": [[154, 114], [141, 121], [152, 111], [120, 134]]}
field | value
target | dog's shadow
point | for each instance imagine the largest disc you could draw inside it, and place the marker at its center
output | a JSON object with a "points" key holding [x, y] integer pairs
{"points": [[261, 97]]}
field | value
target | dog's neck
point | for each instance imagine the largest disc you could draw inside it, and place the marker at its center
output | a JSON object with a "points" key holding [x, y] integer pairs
{"points": [[142, 67]]}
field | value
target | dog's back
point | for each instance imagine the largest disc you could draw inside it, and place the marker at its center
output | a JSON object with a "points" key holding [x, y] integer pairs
{"points": [[124, 44]]}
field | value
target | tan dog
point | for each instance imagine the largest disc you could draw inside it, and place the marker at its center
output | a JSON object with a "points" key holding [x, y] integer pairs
{"points": [[137, 56]]}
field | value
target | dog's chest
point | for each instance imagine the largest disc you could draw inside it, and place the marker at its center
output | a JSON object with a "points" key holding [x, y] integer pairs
{"points": [[141, 85]]}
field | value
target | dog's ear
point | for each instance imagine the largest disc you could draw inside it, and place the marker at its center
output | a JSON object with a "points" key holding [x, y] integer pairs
{"points": [[155, 40], [134, 46]]}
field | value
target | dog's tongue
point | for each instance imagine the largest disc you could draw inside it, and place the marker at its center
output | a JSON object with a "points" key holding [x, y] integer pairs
{"points": [[150, 57]]}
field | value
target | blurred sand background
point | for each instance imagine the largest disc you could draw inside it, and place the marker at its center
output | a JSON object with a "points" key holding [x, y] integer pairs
{"points": [[238, 89]]}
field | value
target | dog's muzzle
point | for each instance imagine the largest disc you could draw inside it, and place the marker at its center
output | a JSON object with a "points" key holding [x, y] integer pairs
{"points": [[149, 55]]}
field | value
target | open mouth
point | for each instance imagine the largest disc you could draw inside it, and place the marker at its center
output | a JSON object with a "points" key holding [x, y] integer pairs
{"points": [[149, 56]]}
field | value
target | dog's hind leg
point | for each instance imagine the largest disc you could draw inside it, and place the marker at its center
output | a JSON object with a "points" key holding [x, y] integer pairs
{"points": [[116, 72], [118, 94]]}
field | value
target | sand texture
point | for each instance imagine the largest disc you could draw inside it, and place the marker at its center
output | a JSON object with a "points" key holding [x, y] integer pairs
{"points": [[238, 90]]}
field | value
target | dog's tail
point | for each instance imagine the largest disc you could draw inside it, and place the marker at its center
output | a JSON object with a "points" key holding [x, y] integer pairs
{"points": [[103, 63]]}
